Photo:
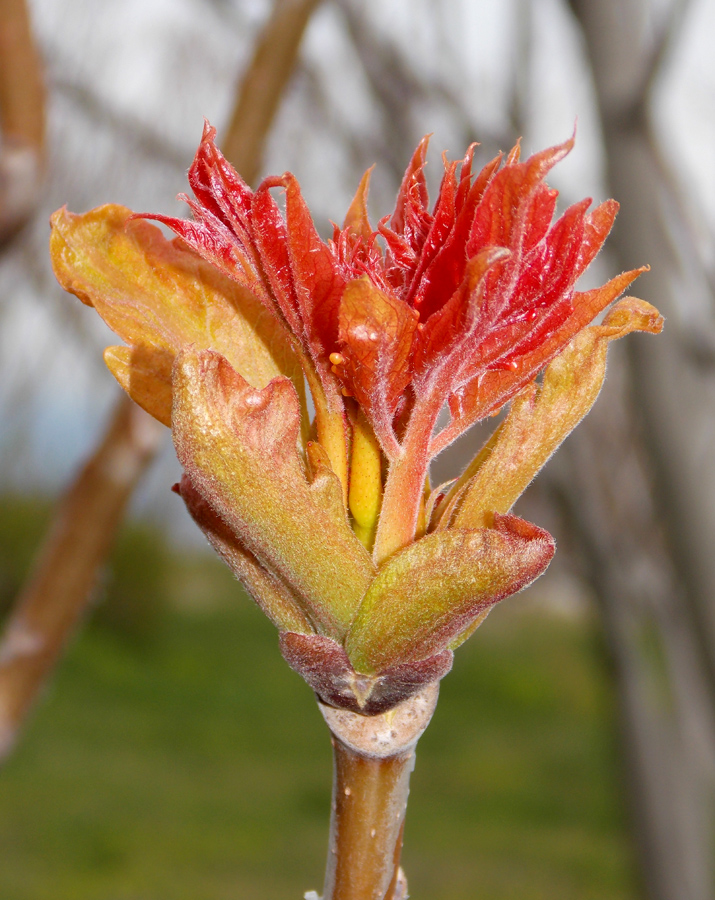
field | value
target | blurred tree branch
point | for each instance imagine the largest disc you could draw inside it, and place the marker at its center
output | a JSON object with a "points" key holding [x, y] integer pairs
{"points": [[149, 140], [604, 488], [263, 85], [91, 510], [79, 540], [661, 518], [674, 398], [669, 33], [400, 90], [22, 118]]}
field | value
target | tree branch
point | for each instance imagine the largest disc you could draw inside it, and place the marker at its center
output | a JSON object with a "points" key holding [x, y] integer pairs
{"points": [[22, 118], [78, 542], [668, 37], [264, 84]]}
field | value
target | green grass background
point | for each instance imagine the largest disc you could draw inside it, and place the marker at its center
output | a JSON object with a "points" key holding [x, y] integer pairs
{"points": [[195, 766]]}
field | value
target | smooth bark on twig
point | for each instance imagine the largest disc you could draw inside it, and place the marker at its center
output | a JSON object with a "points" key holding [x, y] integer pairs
{"points": [[263, 85], [22, 118], [373, 759], [78, 542], [22, 92], [374, 794]]}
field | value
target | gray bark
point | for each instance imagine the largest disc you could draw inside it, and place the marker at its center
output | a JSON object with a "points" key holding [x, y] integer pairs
{"points": [[647, 519]]}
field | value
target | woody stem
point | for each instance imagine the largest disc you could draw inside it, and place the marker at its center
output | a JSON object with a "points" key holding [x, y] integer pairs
{"points": [[373, 758]]}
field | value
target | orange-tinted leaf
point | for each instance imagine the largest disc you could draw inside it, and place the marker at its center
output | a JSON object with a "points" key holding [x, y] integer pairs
{"points": [[159, 297], [239, 448], [221, 231], [271, 239], [218, 186], [429, 593], [441, 224], [318, 283], [447, 270], [500, 219], [541, 211], [214, 241], [145, 374], [409, 225], [412, 197], [525, 301], [376, 331], [451, 328], [514, 154], [489, 390], [356, 221], [596, 229]]}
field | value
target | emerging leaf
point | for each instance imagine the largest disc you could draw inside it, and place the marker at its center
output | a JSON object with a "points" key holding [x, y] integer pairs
{"points": [[488, 390], [542, 416], [271, 594], [429, 593], [375, 339], [461, 306], [239, 448], [160, 297]]}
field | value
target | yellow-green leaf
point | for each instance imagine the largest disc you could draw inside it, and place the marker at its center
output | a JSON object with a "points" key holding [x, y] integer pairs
{"points": [[429, 593], [160, 297], [269, 592], [239, 448]]}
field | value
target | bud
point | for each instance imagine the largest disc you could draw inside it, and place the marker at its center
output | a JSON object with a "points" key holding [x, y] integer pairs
{"points": [[372, 578]]}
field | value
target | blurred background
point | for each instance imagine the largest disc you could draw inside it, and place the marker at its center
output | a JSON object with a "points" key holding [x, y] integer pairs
{"points": [[173, 753]]}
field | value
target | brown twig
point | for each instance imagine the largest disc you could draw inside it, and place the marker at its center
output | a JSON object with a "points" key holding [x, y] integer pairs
{"points": [[22, 92], [667, 38], [78, 542], [22, 118], [374, 757], [264, 83]]}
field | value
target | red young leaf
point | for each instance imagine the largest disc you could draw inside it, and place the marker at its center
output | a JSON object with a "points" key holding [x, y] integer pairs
{"points": [[412, 197], [488, 391], [271, 239], [318, 282], [505, 212], [376, 331], [498, 330], [217, 185], [356, 220], [445, 273]]}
